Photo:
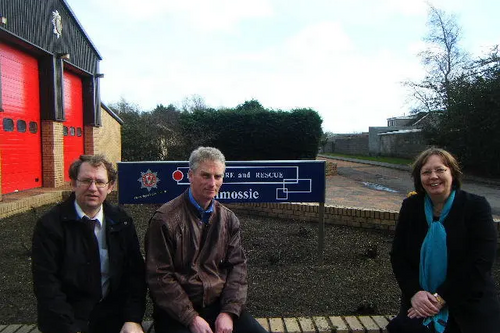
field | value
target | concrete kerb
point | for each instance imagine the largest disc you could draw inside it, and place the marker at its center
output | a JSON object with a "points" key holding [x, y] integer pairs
{"points": [[381, 164], [314, 324]]}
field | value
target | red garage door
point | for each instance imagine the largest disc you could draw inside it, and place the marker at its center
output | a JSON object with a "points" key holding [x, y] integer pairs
{"points": [[20, 139], [73, 126]]}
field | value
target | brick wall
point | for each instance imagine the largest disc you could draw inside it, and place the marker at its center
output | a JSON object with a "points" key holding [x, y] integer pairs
{"points": [[107, 139], [88, 135], [355, 217], [0, 175], [52, 154]]}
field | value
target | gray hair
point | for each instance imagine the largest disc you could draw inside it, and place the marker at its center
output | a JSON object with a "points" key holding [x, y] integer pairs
{"points": [[202, 154]]}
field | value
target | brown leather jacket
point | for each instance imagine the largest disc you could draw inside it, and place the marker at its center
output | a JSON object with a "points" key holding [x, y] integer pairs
{"points": [[190, 264]]}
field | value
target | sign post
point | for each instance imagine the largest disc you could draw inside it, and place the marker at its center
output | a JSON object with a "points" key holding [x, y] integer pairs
{"points": [[321, 231]]}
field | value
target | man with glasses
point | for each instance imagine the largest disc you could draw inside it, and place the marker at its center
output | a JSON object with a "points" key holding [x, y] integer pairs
{"points": [[88, 271]]}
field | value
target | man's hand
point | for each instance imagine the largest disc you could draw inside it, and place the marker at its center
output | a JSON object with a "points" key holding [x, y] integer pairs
{"points": [[199, 325], [131, 327], [424, 305], [224, 323]]}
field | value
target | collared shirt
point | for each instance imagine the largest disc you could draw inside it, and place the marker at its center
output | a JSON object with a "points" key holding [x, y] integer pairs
{"points": [[100, 233], [204, 214]]}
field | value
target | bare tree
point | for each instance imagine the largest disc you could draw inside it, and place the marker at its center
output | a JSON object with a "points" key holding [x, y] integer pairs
{"points": [[123, 106], [193, 103], [443, 60]]}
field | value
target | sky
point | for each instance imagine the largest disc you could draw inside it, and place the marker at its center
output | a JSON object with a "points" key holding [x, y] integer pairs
{"points": [[346, 59]]}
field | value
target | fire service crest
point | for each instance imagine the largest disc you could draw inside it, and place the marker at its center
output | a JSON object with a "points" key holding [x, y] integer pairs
{"points": [[149, 180]]}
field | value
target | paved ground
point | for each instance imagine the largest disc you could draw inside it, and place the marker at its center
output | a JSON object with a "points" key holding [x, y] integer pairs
{"points": [[347, 189], [373, 186]]}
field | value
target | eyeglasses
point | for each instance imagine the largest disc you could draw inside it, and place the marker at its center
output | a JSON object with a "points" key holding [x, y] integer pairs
{"points": [[438, 171], [98, 183]]}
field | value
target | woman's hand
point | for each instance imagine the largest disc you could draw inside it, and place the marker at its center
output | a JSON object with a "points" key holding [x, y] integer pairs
{"points": [[424, 304]]}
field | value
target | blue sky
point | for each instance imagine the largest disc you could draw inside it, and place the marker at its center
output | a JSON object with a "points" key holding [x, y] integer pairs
{"points": [[345, 59]]}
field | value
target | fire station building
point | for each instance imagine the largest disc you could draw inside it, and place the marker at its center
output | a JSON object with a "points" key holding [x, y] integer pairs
{"points": [[50, 108]]}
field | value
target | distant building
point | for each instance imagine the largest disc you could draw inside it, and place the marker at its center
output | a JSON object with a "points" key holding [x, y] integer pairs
{"points": [[402, 137], [50, 108], [400, 121]]}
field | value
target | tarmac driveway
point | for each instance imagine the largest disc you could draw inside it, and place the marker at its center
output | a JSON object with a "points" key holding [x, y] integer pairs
{"points": [[377, 187]]}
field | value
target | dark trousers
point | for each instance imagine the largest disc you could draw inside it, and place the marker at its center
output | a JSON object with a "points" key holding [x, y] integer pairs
{"points": [[244, 324], [105, 318]]}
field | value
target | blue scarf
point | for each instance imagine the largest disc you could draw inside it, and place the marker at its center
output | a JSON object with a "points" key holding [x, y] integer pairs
{"points": [[434, 258]]}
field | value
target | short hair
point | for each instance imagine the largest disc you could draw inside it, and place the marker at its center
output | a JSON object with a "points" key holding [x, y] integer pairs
{"points": [[448, 159], [202, 154], [95, 161]]}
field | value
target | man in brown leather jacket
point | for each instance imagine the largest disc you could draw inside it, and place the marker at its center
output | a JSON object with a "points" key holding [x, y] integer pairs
{"points": [[196, 267]]}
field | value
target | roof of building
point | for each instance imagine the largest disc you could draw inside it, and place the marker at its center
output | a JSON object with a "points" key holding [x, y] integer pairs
{"points": [[81, 28], [411, 130], [402, 117], [112, 114]]}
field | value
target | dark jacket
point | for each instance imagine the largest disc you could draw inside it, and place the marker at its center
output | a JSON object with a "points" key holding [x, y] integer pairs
{"points": [[61, 275], [190, 265], [469, 288]]}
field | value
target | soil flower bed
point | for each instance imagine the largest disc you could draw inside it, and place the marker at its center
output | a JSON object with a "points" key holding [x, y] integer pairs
{"points": [[285, 276]]}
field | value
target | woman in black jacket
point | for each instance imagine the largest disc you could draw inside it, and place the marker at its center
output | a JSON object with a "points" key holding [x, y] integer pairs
{"points": [[442, 254]]}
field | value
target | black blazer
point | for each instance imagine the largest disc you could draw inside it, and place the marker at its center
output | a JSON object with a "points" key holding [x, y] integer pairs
{"points": [[62, 280], [469, 288]]}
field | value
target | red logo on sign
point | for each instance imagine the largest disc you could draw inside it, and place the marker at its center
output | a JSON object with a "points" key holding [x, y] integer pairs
{"points": [[177, 175], [149, 179]]}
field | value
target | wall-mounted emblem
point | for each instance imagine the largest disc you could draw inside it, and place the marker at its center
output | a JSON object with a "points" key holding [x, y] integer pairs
{"points": [[149, 180], [57, 23]]}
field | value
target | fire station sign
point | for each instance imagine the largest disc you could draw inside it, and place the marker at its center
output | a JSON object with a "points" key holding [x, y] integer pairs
{"points": [[244, 181]]}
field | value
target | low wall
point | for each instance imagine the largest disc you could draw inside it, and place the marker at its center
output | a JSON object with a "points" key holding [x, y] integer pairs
{"points": [[16, 204], [348, 216], [351, 144], [374, 138], [354, 217]]}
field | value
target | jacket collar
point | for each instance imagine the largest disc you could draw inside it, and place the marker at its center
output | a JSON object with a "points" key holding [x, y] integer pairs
{"points": [[458, 202]]}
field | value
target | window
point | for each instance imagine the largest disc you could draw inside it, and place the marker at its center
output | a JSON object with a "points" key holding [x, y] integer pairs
{"points": [[21, 126], [78, 131], [33, 127], [71, 131], [8, 125], [65, 131]]}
